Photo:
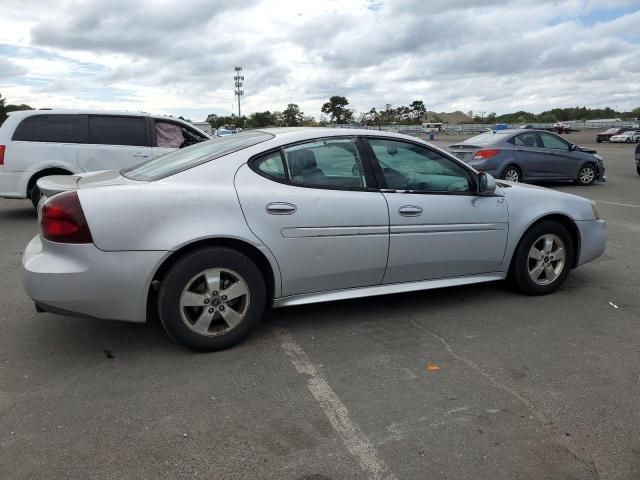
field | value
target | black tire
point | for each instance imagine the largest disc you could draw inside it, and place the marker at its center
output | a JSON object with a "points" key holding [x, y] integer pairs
{"points": [[35, 195], [638, 170], [627, 140], [514, 170], [182, 273], [599, 140], [520, 263], [583, 178]]}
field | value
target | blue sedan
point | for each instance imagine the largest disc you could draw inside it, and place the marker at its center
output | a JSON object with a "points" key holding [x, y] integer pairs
{"points": [[521, 155]]}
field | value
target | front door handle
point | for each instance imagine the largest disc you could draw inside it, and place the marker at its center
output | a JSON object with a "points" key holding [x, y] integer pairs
{"points": [[281, 208], [410, 211], [144, 155]]}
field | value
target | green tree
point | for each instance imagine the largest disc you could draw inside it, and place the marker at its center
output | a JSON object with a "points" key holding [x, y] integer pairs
{"points": [[491, 118], [292, 116], [418, 110], [6, 108], [261, 119], [336, 107]]}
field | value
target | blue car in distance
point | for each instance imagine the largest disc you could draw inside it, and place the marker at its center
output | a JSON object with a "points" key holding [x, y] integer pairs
{"points": [[520, 155]]}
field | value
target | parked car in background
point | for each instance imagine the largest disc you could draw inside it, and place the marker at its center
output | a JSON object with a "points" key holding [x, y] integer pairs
{"points": [[211, 235], [630, 136], [222, 132], [37, 143], [607, 134], [521, 155]]}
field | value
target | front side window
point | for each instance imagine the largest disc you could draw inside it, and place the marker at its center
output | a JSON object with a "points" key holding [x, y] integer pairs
{"points": [[114, 130], [168, 135], [525, 140], [551, 141], [52, 128], [190, 157], [407, 166], [331, 162]]}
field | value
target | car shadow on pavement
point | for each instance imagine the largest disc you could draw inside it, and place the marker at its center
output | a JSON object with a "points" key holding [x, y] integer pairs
{"points": [[22, 211]]}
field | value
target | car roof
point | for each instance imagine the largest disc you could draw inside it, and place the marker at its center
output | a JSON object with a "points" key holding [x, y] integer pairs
{"points": [[84, 111], [304, 133]]}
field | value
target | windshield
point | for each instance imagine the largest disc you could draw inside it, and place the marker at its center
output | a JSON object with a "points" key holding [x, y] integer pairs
{"points": [[487, 138], [611, 130], [189, 157]]}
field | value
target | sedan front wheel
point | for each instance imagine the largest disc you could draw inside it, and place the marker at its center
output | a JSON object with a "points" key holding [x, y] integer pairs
{"points": [[211, 298], [543, 259], [587, 175]]}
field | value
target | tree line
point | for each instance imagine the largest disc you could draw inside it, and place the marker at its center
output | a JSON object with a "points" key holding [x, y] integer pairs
{"points": [[5, 108], [336, 111]]}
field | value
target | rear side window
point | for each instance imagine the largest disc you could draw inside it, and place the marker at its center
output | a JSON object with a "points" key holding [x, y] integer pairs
{"points": [[113, 130], [526, 140], [52, 128]]}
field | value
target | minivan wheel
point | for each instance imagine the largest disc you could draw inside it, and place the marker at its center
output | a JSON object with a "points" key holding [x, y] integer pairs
{"points": [[511, 174], [211, 298], [587, 175], [543, 259], [35, 195]]}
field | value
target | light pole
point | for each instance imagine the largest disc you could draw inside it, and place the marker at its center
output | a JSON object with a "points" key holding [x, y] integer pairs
{"points": [[239, 80], [482, 117]]}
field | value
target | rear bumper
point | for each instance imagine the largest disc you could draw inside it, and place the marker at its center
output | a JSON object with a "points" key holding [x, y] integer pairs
{"points": [[81, 280], [14, 184], [593, 239]]}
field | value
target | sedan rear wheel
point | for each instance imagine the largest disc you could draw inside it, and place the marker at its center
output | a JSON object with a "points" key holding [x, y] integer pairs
{"points": [[511, 174], [543, 259], [211, 298], [587, 175]]}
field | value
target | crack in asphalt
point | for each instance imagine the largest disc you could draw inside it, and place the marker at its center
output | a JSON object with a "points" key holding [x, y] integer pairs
{"points": [[547, 424]]}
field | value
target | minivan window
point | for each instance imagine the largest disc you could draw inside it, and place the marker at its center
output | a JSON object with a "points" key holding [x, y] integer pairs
{"points": [[115, 130], [190, 157], [52, 128]]}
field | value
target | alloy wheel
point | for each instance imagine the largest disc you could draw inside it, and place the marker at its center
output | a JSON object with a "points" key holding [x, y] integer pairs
{"points": [[512, 175], [587, 175], [214, 302], [546, 259]]}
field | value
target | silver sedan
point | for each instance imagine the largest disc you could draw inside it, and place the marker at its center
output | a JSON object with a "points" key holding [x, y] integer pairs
{"points": [[209, 236]]}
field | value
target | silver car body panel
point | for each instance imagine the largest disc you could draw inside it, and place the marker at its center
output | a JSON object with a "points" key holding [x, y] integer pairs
{"points": [[86, 281], [450, 235], [386, 289], [335, 238], [334, 246]]}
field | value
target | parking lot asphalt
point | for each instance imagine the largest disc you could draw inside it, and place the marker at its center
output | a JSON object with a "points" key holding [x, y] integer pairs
{"points": [[476, 382]]}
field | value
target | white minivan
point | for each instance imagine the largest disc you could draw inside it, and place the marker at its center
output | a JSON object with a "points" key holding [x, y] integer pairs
{"points": [[37, 143]]}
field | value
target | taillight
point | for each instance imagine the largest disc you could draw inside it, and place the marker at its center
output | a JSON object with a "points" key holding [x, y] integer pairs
{"points": [[2, 149], [63, 220], [484, 154]]}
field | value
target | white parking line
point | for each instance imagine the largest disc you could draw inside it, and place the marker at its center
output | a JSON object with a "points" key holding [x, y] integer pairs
{"points": [[350, 433], [620, 204]]}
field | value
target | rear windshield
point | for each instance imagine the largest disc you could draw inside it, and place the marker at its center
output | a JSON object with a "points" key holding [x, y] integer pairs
{"points": [[487, 138], [189, 157]]}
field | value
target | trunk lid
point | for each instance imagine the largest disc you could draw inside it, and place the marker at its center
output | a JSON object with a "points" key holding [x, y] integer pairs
{"points": [[54, 184], [464, 151]]}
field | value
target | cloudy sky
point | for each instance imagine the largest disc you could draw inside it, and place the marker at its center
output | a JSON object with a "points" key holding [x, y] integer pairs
{"points": [[177, 57]]}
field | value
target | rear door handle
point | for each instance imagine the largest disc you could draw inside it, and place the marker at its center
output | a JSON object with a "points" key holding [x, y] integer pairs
{"points": [[144, 155], [410, 211], [281, 208]]}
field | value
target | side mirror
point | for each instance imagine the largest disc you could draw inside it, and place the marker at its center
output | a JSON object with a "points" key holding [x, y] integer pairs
{"points": [[486, 184], [572, 147]]}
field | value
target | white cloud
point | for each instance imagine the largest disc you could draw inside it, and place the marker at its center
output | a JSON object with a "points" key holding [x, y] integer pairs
{"points": [[162, 55]]}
